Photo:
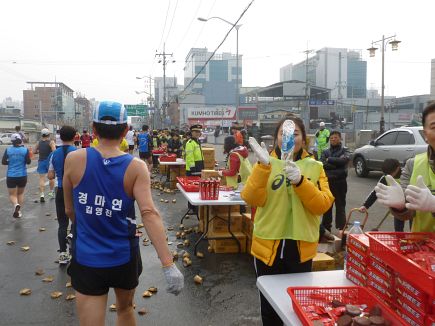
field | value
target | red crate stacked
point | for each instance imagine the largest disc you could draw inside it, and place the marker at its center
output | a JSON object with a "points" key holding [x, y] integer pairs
{"points": [[357, 258], [414, 284]]}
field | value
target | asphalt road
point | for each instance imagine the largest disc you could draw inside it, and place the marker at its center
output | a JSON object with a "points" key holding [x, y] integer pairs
{"points": [[228, 295]]}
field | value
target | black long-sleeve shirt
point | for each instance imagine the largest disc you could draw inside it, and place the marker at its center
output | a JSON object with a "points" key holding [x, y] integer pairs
{"points": [[371, 198]]}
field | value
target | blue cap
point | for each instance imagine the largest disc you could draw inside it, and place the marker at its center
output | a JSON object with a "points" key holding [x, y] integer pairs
{"points": [[114, 110]]}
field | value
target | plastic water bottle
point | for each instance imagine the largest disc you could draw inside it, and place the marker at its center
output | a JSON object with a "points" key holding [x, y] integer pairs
{"points": [[355, 229]]}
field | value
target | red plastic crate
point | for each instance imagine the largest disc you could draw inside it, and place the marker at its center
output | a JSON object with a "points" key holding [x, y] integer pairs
{"points": [[168, 158], [322, 296], [384, 245], [189, 184], [158, 151]]}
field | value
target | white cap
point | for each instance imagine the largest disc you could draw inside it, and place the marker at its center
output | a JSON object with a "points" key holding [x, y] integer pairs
{"points": [[15, 137], [45, 132], [322, 124]]}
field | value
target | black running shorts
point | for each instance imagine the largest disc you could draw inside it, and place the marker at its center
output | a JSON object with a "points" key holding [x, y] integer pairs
{"points": [[98, 281], [16, 182]]}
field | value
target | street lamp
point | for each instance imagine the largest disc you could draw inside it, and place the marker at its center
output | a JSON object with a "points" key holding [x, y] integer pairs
{"points": [[237, 55], [394, 47]]}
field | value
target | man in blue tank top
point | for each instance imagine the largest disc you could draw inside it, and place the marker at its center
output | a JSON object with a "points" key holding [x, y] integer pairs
{"points": [[44, 148], [16, 157], [56, 168], [144, 145], [100, 186]]}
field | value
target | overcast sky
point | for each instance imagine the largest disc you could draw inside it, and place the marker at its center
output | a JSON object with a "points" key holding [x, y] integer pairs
{"points": [[98, 47]]}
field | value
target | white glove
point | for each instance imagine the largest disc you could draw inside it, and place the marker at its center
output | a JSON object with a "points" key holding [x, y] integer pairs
{"points": [[260, 151], [390, 196], [219, 173], [174, 278], [420, 197], [293, 172]]}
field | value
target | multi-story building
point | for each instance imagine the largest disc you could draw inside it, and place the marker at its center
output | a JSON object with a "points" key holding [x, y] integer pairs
{"points": [[339, 69], [83, 112], [49, 102], [218, 81]]}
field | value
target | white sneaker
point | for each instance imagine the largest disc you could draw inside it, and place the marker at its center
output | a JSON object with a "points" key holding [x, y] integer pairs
{"points": [[51, 194], [64, 258], [41, 198]]}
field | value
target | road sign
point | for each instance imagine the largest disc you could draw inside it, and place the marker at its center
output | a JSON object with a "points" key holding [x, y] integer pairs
{"points": [[139, 110]]}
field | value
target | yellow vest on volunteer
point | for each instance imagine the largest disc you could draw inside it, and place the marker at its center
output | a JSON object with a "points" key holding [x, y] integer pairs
{"points": [[423, 221], [193, 153], [245, 170], [123, 146], [284, 216]]}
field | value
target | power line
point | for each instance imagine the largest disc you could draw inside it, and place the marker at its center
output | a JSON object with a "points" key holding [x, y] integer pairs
{"points": [[172, 20], [190, 25], [161, 38], [214, 52], [203, 25]]}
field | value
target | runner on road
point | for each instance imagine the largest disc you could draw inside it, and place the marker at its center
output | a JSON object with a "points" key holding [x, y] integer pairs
{"points": [[55, 169], [44, 147], [86, 139], [130, 139], [16, 157], [100, 185], [144, 145]]}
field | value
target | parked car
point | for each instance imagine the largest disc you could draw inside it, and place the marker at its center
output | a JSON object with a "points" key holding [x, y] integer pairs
{"points": [[5, 139], [399, 143]]}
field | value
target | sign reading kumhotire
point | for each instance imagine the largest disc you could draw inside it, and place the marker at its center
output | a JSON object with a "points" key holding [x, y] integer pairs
{"points": [[212, 113]]}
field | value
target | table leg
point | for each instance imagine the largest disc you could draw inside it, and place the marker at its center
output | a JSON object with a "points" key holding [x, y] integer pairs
{"points": [[229, 229], [204, 234]]}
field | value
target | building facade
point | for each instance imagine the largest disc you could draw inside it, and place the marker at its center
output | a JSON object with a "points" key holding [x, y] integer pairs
{"points": [[49, 102], [218, 81], [339, 69]]}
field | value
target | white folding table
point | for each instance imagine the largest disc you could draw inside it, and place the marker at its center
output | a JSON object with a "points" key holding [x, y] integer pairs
{"points": [[178, 163], [224, 199], [274, 289]]}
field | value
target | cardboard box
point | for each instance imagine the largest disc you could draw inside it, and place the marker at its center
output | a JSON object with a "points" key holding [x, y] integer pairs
{"points": [[220, 223], [223, 209], [208, 153], [209, 174], [323, 262], [209, 165], [163, 169], [227, 246]]}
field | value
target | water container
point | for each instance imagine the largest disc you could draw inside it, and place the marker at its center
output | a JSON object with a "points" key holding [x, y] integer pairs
{"points": [[355, 229]]}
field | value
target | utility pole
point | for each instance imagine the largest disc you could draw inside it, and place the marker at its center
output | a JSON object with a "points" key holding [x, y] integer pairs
{"points": [[307, 97], [164, 61]]}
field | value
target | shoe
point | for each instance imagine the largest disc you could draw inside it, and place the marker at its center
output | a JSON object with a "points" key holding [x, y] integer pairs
{"points": [[64, 258], [17, 213], [41, 198], [51, 194]]}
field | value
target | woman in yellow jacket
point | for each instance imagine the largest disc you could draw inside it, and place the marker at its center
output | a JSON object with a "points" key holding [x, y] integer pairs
{"points": [[290, 197]]}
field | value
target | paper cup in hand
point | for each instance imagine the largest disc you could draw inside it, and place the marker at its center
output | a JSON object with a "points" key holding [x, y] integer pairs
{"points": [[288, 140]]}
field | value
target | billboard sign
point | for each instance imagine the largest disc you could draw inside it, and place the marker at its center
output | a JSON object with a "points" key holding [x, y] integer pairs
{"points": [[226, 112]]}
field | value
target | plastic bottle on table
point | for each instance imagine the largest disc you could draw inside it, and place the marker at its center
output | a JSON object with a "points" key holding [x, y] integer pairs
{"points": [[355, 229]]}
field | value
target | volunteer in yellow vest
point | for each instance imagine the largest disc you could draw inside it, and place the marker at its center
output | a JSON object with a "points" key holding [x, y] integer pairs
{"points": [[412, 198], [322, 139], [290, 198], [123, 146], [238, 166], [193, 152]]}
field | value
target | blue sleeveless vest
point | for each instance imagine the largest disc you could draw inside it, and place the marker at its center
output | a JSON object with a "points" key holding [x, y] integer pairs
{"points": [[104, 234]]}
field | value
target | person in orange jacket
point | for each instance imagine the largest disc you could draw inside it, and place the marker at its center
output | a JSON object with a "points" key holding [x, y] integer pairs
{"points": [[290, 197]]}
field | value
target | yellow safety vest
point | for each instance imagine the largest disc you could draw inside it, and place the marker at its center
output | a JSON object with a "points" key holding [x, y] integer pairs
{"points": [[284, 216], [244, 172], [423, 221], [193, 153]]}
